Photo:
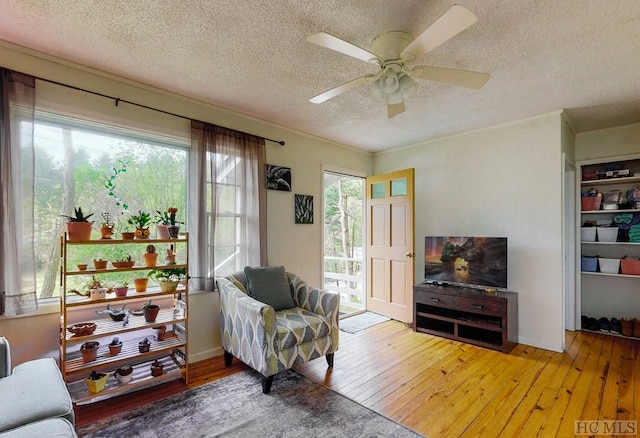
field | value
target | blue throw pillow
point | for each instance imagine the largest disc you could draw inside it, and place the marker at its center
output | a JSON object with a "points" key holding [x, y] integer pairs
{"points": [[270, 286]]}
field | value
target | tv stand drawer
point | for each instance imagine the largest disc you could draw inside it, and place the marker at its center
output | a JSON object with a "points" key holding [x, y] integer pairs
{"points": [[485, 307], [435, 299]]}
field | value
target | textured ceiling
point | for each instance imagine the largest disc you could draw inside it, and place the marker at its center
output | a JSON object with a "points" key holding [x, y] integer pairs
{"points": [[252, 57]]}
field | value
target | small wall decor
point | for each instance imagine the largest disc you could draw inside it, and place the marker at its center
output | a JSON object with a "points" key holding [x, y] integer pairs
{"points": [[304, 209], [278, 178]]}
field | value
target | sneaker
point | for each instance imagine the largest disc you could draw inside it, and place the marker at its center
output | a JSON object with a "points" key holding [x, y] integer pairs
{"points": [[605, 325], [616, 327], [593, 324]]}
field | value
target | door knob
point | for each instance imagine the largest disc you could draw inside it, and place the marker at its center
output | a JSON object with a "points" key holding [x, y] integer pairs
{"points": [[410, 254]]}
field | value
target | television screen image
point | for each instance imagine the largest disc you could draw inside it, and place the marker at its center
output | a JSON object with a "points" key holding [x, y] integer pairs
{"points": [[475, 261]]}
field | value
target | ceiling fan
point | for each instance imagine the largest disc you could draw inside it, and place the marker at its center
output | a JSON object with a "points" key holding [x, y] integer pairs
{"points": [[392, 51]]}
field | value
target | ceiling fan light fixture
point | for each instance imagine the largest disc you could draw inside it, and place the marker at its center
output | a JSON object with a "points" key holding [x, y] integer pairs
{"points": [[407, 87], [376, 90], [389, 82]]}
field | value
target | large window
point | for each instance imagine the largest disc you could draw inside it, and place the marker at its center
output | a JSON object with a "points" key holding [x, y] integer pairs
{"points": [[74, 161]]}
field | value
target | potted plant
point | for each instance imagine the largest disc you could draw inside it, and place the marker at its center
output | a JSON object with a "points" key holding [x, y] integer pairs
{"points": [[162, 222], [115, 314], [106, 230], [100, 263], [123, 262], [156, 368], [150, 256], [89, 351], [140, 283], [150, 312], [78, 225], [124, 374], [141, 221], [115, 347], [121, 291], [168, 278], [96, 290], [96, 381], [144, 346], [168, 218]]}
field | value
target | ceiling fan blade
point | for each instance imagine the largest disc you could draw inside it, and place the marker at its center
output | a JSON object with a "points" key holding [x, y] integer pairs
{"points": [[393, 109], [460, 78], [450, 24], [334, 43], [340, 89]]}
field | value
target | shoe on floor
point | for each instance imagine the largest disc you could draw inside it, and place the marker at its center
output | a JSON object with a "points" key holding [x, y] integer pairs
{"points": [[616, 327], [605, 325], [636, 327], [593, 324]]}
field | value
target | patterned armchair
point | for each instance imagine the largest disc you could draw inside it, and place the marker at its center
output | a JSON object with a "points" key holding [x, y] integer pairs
{"points": [[271, 341]]}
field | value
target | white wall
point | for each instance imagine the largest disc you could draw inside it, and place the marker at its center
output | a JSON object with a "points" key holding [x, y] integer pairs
{"points": [[297, 247], [501, 181], [607, 143]]}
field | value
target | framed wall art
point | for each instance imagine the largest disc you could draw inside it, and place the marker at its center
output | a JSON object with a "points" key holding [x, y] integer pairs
{"points": [[303, 209], [278, 178]]}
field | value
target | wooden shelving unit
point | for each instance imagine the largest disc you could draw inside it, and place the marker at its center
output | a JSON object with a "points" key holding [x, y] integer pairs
{"points": [[172, 351]]}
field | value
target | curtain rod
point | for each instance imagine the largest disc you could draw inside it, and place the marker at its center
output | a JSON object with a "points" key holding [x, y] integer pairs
{"points": [[117, 100]]}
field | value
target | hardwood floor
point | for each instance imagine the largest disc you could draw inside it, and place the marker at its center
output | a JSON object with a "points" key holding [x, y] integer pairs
{"points": [[443, 388]]}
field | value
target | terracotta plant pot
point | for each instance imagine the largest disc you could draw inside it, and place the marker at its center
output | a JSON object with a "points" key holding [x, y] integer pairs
{"points": [[128, 235], [151, 312], [115, 349], [142, 233], [100, 264], [141, 284], [121, 291], [161, 232], [79, 230], [89, 351], [150, 259], [161, 331]]}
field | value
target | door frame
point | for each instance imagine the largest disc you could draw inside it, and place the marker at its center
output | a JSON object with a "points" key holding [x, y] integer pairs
{"points": [[353, 174]]}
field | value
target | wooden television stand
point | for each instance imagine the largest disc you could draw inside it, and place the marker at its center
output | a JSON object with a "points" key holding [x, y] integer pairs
{"points": [[467, 314]]}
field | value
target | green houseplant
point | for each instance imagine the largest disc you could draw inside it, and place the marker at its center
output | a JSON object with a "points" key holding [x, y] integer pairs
{"points": [[78, 225], [168, 279], [141, 221]]}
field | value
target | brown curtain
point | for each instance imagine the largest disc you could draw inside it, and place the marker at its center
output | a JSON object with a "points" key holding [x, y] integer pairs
{"points": [[17, 263], [227, 199]]}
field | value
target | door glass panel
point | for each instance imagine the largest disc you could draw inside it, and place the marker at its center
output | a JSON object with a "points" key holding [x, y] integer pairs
{"points": [[399, 187], [378, 190]]}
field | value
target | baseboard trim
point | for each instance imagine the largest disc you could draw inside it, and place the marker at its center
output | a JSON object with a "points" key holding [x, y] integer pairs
{"points": [[207, 354]]}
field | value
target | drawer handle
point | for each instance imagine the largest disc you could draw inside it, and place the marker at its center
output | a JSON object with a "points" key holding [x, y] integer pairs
{"points": [[477, 306], [437, 300]]}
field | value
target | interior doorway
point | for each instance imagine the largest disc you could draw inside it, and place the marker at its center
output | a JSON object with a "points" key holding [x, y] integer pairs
{"points": [[344, 249]]}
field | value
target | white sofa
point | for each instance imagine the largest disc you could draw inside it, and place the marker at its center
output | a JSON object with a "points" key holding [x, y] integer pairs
{"points": [[34, 401]]}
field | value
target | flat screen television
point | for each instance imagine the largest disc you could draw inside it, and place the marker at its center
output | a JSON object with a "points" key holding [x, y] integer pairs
{"points": [[467, 261]]}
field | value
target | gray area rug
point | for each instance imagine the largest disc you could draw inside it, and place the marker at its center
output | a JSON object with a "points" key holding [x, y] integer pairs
{"points": [[362, 321], [235, 407]]}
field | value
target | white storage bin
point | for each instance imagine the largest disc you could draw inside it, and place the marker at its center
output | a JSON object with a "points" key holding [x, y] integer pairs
{"points": [[608, 234], [588, 234], [609, 266]]}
